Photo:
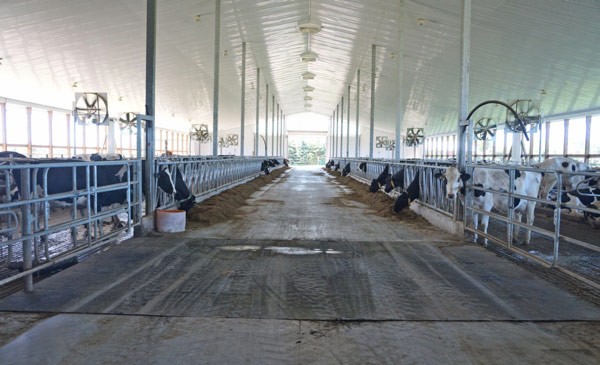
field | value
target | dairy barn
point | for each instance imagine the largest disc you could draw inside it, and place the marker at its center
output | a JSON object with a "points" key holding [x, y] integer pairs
{"points": [[299, 182]]}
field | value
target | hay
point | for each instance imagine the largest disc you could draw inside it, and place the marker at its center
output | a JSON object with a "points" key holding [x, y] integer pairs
{"points": [[223, 207], [381, 203]]}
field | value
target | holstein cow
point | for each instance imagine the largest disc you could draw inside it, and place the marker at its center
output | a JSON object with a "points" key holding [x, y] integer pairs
{"points": [[394, 181], [330, 164], [413, 192], [337, 166], [527, 183], [6, 178], [363, 167], [346, 169], [99, 157], [264, 166], [564, 165], [376, 184], [588, 197]]}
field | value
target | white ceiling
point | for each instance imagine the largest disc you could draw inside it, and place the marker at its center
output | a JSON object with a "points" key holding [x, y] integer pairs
{"points": [[518, 47]]}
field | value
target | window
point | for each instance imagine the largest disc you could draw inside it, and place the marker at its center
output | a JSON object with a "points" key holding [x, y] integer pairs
{"points": [[576, 138], [16, 125], [556, 138]]}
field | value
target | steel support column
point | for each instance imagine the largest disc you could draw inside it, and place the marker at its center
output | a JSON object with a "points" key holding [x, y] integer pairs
{"points": [[266, 118], [463, 107], [342, 127], [150, 102], [243, 103], [217, 45], [348, 126], [357, 147], [257, 132], [399, 96], [372, 118]]}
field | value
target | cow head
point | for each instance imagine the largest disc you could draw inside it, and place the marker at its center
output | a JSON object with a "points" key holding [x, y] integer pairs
{"points": [[593, 218], [346, 170], [362, 167], [173, 183], [394, 181], [401, 202], [455, 181]]}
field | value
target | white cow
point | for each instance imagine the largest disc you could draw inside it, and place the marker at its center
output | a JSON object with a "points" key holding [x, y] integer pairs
{"points": [[564, 165], [527, 183]]}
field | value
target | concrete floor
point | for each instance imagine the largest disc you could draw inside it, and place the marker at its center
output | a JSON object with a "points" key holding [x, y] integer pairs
{"points": [[303, 275]]}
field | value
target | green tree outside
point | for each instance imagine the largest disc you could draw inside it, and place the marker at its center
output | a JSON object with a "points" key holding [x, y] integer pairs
{"points": [[304, 153]]}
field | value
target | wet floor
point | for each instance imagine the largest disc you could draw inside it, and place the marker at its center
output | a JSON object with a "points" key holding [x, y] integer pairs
{"points": [[303, 274]]}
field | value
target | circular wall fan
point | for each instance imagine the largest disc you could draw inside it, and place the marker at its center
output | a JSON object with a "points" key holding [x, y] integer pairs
{"points": [[127, 120], [528, 110], [91, 108], [485, 129], [414, 136], [232, 139], [200, 133]]}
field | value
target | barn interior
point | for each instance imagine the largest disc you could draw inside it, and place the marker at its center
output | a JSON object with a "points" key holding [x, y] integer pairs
{"points": [[304, 266]]}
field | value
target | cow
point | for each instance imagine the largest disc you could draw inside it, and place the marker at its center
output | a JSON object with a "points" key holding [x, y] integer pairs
{"points": [[330, 164], [527, 183], [6, 178], [363, 167], [561, 165], [346, 169], [587, 195], [376, 184], [394, 181], [286, 162], [264, 166], [337, 166], [413, 192], [99, 157]]}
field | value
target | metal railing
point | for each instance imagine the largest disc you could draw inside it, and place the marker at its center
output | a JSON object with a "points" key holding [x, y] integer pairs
{"points": [[39, 229], [573, 251]]}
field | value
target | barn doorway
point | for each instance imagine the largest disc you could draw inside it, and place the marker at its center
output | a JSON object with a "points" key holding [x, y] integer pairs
{"points": [[307, 139]]}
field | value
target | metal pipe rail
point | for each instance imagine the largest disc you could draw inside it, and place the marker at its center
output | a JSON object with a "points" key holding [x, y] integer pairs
{"points": [[205, 176], [37, 241], [33, 233], [433, 196]]}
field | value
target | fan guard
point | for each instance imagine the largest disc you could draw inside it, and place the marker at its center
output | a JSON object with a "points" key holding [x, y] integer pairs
{"points": [[91, 108], [528, 110], [381, 141], [485, 129], [127, 120], [200, 133], [232, 139], [414, 136]]}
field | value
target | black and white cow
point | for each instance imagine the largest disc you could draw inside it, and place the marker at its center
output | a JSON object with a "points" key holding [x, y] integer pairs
{"points": [[527, 183], [6, 178], [394, 181], [264, 166], [586, 195], [363, 167], [561, 165], [99, 157], [376, 184], [413, 192], [346, 169], [330, 164]]}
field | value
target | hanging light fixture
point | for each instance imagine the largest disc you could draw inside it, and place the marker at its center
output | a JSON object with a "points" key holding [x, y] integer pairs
{"points": [[308, 56], [308, 75], [308, 88], [308, 97]]}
